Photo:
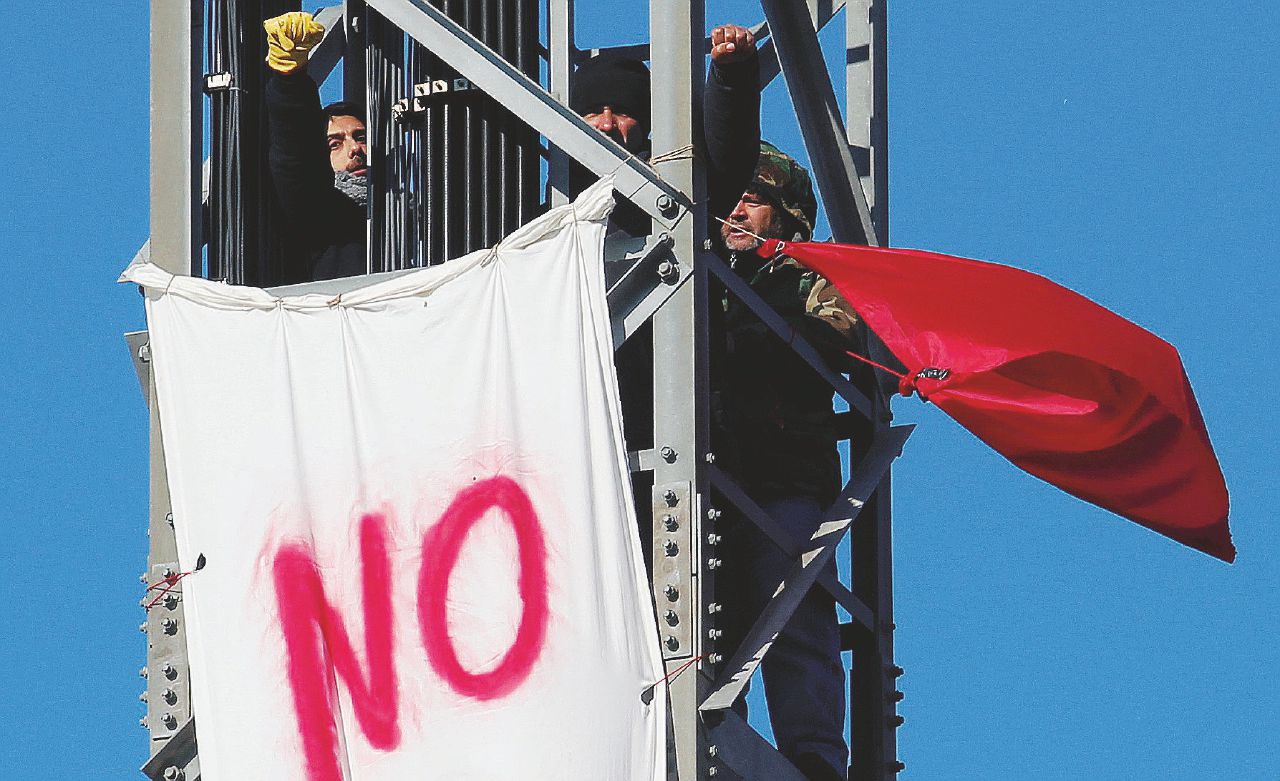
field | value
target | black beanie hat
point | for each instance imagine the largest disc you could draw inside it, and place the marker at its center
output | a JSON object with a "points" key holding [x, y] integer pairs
{"points": [[618, 82], [344, 109]]}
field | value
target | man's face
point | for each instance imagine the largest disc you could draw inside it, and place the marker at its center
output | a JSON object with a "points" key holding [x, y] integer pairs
{"points": [[623, 128], [347, 150], [754, 214]]}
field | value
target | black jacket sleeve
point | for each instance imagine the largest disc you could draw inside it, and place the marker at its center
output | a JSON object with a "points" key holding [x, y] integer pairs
{"points": [[731, 130], [324, 229]]}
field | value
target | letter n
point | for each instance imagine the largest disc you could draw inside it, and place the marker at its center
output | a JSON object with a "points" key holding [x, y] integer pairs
{"points": [[318, 646]]}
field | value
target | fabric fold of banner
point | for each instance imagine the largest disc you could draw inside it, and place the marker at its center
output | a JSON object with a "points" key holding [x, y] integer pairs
{"points": [[414, 508]]}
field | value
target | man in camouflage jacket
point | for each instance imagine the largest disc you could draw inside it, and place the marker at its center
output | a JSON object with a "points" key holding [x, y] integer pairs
{"points": [[775, 432]]}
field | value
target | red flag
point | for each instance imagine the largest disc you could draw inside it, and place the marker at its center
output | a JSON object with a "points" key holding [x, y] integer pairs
{"points": [[1062, 387]]}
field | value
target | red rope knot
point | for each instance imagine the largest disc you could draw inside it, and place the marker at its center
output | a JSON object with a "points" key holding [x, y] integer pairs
{"points": [[907, 382]]}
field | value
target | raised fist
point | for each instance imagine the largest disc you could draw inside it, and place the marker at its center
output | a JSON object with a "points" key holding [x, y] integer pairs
{"points": [[290, 38], [731, 43]]}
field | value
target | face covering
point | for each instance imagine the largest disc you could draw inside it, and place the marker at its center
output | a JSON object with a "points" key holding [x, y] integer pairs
{"points": [[355, 187]]}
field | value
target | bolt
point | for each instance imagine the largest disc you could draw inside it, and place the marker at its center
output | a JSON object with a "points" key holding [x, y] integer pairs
{"points": [[713, 608], [170, 696], [672, 643], [713, 514], [168, 571], [143, 578], [896, 720], [896, 766], [672, 593], [174, 773], [355, 24], [171, 601], [714, 634], [670, 547], [142, 722], [894, 696], [144, 352], [713, 770], [712, 750], [169, 671], [170, 720], [707, 245], [143, 673], [665, 238], [168, 517], [672, 617], [668, 454], [170, 626], [670, 523], [894, 671], [670, 497], [710, 458], [712, 539], [667, 271], [665, 204], [713, 563], [714, 658], [142, 627], [143, 697]]}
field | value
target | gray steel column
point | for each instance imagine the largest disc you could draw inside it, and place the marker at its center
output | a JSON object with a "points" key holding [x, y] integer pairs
{"points": [[809, 84], [177, 70], [867, 105], [873, 679], [560, 58], [680, 378]]}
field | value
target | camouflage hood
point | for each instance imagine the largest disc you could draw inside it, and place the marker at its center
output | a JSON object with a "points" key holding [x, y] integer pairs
{"points": [[784, 181]]}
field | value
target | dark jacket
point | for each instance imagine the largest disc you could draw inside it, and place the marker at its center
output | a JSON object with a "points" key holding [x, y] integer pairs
{"points": [[324, 230], [774, 426]]}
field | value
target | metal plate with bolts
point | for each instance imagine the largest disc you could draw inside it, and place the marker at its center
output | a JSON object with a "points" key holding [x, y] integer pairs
{"points": [[673, 552]]}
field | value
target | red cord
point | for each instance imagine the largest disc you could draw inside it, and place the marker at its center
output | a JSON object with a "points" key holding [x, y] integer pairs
{"points": [[881, 367]]}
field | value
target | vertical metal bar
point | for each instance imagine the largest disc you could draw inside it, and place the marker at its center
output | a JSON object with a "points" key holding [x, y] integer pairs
{"points": [[177, 67], [867, 105], [560, 57], [679, 333], [821, 125], [872, 679]]}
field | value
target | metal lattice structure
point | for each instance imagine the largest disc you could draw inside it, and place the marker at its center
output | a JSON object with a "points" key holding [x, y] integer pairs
{"points": [[462, 130]]}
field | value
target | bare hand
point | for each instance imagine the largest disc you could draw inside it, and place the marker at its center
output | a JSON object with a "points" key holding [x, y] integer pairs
{"points": [[731, 43]]}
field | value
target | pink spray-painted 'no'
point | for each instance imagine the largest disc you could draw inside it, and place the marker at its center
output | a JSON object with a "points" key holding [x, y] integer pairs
{"points": [[319, 647]]}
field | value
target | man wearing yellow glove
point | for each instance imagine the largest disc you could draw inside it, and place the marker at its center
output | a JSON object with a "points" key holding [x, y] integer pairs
{"points": [[318, 159]]}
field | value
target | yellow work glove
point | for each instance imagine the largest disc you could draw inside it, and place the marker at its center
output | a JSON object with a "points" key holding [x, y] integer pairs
{"points": [[290, 38]]}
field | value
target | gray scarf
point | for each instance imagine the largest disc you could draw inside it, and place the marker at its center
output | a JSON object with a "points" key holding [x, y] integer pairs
{"points": [[354, 187]]}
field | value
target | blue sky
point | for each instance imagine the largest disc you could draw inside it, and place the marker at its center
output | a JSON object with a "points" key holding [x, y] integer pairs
{"points": [[1124, 149]]}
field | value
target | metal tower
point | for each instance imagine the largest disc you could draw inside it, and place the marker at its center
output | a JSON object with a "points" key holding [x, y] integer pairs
{"points": [[469, 141]]}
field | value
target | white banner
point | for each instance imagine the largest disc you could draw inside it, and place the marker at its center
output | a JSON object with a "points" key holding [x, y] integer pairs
{"points": [[421, 559]]}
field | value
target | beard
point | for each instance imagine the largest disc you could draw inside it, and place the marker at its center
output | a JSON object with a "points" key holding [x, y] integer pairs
{"points": [[742, 242], [354, 186]]}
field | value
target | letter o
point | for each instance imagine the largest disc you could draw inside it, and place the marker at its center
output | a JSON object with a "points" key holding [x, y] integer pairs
{"points": [[442, 546]]}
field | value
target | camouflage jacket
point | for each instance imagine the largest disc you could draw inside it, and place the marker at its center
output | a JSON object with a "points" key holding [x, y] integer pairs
{"points": [[775, 429]]}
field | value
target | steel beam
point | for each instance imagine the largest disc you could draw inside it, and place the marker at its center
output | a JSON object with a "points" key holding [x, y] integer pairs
{"points": [[177, 69], [804, 573], [820, 11], [730, 490], [680, 375], [633, 179], [746, 753], [326, 55], [867, 105], [560, 56], [821, 125]]}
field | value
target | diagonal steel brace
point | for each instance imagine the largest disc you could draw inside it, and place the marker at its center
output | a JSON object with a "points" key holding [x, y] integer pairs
{"points": [[449, 41], [820, 548]]}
